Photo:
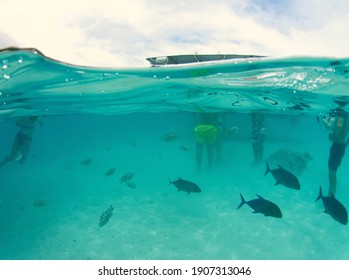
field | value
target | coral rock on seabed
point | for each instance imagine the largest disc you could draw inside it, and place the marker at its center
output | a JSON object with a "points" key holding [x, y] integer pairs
{"points": [[294, 161]]}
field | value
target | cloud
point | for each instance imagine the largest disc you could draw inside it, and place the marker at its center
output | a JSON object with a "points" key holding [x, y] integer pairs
{"points": [[123, 33], [6, 40]]}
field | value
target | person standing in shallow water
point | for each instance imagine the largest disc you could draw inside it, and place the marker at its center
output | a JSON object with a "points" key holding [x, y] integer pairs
{"points": [[210, 132], [22, 142], [206, 133], [339, 126], [259, 131]]}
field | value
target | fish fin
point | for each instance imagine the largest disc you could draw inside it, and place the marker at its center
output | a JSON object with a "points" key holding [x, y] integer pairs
{"points": [[243, 201], [268, 169], [188, 193], [277, 183], [169, 181], [280, 167], [320, 195], [259, 196]]}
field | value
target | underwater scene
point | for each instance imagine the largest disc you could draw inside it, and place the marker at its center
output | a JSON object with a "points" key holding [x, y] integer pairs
{"points": [[236, 159]]}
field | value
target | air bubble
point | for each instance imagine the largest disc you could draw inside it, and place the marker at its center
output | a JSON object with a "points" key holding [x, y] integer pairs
{"points": [[20, 60], [4, 67], [7, 77]]}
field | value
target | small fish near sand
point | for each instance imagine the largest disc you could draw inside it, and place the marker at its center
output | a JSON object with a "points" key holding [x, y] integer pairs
{"points": [[185, 186], [131, 185], [283, 177], [263, 206], [39, 203], [334, 208], [230, 132], [108, 148], [86, 161], [105, 217], [110, 171], [184, 147], [169, 137], [126, 177]]}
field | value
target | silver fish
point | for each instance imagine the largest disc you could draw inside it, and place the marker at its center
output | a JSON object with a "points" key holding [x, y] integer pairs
{"points": [[184, 147], [39, 203], [169, 137], [126, 177], [230, 132], [105, 217], [109, 172], [131, 185]]}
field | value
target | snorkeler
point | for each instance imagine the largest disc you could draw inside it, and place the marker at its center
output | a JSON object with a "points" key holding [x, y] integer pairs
{"points": [[338, 124], [259, 131], [22, 142]]}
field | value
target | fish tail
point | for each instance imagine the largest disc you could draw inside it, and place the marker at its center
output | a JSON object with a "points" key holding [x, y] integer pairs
{"points": [[243, 201], [268, 169], [320, 195]]}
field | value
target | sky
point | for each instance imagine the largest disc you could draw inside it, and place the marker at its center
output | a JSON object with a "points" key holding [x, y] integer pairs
{"points": [[123, 33]]}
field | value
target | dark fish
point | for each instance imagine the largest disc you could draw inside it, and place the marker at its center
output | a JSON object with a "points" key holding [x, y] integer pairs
{"points": [[132, 143], [105, 217], [86, 161], [108, 148], [169, 137], [185, 186], [263, 206], [126, 177], [109, 172], [334, 208], [283, 177]]}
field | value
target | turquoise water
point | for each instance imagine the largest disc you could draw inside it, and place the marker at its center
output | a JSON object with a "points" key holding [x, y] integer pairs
{"points": [[97, 119]]}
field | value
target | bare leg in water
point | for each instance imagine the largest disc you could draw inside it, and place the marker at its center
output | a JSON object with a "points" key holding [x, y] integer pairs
{"points": [[14, 151]]}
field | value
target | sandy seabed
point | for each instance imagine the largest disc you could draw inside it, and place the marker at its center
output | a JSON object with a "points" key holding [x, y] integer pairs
{"points": [[154, 220]]}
